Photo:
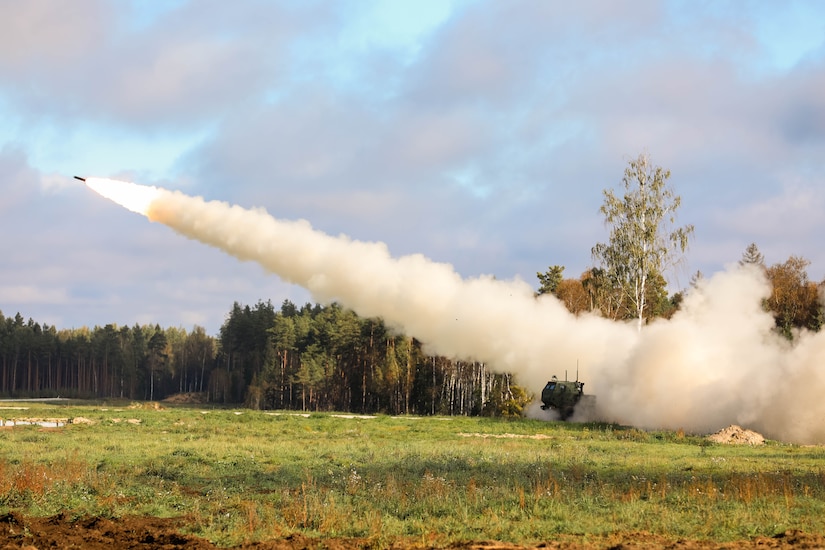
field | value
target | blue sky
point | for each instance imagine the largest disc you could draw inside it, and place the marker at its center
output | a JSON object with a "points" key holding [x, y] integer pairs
{"points": [[478, 133]]}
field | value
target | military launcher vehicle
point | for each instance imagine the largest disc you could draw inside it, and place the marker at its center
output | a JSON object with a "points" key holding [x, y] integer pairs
{"points": [[562, 396]]}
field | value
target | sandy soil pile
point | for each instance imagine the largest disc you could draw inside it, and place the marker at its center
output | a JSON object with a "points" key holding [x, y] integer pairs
{"points": [[737, 435]]}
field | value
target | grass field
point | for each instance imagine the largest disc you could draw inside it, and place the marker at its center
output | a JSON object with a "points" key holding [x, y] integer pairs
{"points": [[241, 475]]}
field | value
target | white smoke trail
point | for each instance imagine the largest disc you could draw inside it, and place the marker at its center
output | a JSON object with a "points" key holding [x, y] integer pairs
{"points": [[715, 363]]}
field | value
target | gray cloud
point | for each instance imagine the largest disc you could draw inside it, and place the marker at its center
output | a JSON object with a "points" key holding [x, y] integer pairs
{"points": [[42, 36]]}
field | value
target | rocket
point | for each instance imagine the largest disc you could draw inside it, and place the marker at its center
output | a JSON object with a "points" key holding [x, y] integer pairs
{"points": [[79, 178]]}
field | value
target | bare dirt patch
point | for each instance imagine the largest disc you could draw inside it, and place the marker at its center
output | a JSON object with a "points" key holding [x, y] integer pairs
{"points": [[505, 436], [96, 533], [737, 435], [145, 533], [147, 406]]}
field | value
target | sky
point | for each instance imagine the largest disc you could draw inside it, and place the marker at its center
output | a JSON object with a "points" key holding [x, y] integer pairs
{"points": [[480, 134]]}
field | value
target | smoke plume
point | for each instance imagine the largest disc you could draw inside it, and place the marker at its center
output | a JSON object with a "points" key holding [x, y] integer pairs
{"points": [[716, 362]]}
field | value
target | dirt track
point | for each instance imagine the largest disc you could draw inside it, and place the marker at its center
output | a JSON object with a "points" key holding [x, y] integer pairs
{"points": [[17, 532]]}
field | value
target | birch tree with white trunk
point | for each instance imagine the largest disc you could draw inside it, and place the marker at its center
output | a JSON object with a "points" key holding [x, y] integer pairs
{"points": [[643, 238]]}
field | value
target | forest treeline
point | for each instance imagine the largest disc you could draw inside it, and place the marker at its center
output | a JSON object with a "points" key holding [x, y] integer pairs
{"points": [[308, 358], [318, 357]]}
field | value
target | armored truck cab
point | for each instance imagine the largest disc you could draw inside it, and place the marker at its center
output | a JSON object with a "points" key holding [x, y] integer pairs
{"points": [[562, 396]]}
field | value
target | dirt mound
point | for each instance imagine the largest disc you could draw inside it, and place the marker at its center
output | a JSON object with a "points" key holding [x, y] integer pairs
{"points": [[737, 435], [192, 398]]}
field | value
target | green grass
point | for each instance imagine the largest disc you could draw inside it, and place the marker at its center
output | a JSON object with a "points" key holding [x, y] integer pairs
{"points": [[245, 475]]}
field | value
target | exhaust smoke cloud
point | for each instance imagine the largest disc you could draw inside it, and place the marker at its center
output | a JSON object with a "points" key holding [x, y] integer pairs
{"points": [[716, 362]]}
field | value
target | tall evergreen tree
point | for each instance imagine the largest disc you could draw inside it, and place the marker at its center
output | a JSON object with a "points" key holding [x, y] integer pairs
{"points": [[550, 280], [752, 256]]}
